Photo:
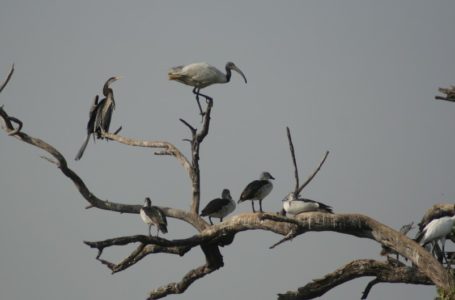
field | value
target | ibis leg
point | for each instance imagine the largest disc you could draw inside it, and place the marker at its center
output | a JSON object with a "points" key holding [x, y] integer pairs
{"points": [[252, 205], [196, 92], [260, 205], [210, 219]]}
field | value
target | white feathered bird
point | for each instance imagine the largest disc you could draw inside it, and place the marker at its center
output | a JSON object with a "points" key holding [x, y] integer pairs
{"points": [[201, 75], [437, 229], [295, 206]]}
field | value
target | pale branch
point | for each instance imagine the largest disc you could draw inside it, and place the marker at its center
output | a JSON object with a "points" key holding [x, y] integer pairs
{"points": [[449, 94], [352, 224], [294, 162], [366, 227], [314, 173], [94, 201], [196, 140], [383, 271], [8, 77], [167, 148]]}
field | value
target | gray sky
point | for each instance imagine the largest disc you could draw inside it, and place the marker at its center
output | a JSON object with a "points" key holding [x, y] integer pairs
{"points": [[357, 78]]}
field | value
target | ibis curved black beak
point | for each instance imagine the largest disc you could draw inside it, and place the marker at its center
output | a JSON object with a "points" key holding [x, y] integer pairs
{"points": [[235, 68]]}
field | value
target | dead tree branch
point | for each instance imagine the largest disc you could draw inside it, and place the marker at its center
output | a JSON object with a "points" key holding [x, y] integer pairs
{"points": [[294, 162], [366, 227], [313, 174], [383, 271], [8, 77]]}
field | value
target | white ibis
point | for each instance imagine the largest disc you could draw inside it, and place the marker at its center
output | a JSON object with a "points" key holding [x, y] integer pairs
{"points": [[295, 206], [100, 115], [437, 229], [219, 207], [435, 212], [201, 75], [257, 190], [153, 215]]}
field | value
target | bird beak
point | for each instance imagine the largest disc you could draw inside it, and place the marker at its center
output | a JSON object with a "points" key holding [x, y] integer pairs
{"points": [[240, 72], [118, 77]]}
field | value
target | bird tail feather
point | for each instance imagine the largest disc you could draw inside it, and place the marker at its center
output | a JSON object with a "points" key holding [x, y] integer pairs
{"points": [[163, 228], [82, 149]]}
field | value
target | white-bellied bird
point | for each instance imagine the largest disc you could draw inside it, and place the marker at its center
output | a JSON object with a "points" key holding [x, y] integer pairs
{"points": [[219, 207], [437, 229], [257, 190], [201, 75], [295, 206], [152, 215], [100, 115]]}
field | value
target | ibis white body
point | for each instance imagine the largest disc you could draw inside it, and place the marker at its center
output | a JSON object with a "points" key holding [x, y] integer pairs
{"points": [[201, 75], [437, 229]]}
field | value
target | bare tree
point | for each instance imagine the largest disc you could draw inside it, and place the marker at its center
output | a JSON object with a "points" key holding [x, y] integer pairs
{"points": [[425, 269]]}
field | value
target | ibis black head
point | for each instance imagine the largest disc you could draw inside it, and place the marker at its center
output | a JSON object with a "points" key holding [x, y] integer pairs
{"points": [[231, 66]]}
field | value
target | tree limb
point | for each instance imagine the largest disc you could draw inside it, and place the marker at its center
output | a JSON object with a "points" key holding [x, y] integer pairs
{"points": [[383, 271], [8, 77], [294, 162], [314, 173]]}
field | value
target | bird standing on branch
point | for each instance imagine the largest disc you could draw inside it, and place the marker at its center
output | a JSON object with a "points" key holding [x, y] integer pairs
{"points": [[100, 115], [201, 75], [219, 207], [295, 206], [152, 215], [437, 229], [257, 190]]}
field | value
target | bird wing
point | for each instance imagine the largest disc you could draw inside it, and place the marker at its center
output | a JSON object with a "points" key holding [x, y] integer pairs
{"points": [[321, 205], [251, 189], [214, 206]]}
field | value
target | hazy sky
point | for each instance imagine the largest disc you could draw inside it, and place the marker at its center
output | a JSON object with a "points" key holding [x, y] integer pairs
{"points": [[357, 78]]}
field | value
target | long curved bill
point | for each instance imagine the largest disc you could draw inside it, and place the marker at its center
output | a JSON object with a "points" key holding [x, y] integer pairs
{"points": [[235, 68]]}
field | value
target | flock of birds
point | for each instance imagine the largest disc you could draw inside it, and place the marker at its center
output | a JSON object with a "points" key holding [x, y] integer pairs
{"points": [[434, 227]]}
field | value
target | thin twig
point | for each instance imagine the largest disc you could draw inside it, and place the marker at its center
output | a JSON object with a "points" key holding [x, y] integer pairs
{"points": [[314, 173], [10, 74], [296, 170]]}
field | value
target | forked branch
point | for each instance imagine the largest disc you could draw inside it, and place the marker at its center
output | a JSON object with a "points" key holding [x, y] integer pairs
{"points": [[383, 271]]}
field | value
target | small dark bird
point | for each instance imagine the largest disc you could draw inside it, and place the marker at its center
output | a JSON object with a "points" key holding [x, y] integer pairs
{"points": [[152, 215], [100, 115], [201, 75], [257, 190], [219, 207], [295, 206]]}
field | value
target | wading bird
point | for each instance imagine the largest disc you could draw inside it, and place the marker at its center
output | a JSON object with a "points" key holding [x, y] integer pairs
{"points": [[100, 115], [295, 206], [257, 190], [437, 229], [152, 215], [219, 207], [201, 75]]}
